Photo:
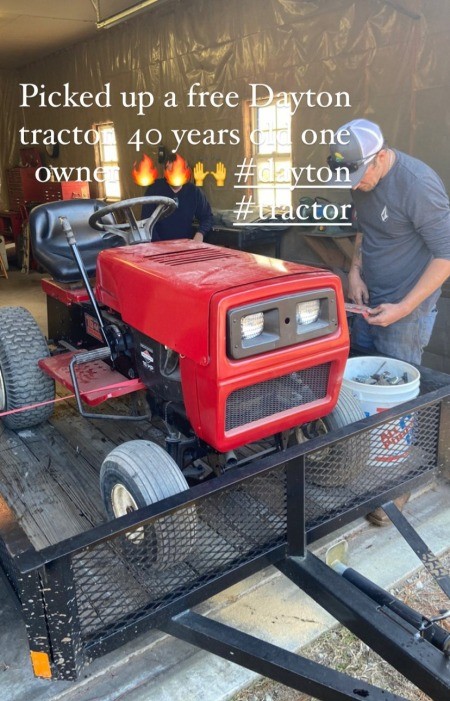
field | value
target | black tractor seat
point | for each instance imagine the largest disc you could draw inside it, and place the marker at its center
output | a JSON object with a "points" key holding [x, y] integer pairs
{"points": [[49, 243]]}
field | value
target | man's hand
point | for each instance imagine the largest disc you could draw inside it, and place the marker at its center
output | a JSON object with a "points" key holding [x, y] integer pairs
{"points": [[385, 314], [220, 174], [198, 236], [357, 288], [431, 279], [199, 174]]}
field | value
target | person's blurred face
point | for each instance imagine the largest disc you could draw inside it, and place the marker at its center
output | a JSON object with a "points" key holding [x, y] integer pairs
{"points": [[378, 167]]}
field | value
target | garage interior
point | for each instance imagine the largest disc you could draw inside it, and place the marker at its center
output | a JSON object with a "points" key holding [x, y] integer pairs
{"points": [[390, 57], [137, 63]]}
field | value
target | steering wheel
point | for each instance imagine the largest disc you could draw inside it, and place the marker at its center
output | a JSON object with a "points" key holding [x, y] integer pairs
{"points": [[133, 230]]}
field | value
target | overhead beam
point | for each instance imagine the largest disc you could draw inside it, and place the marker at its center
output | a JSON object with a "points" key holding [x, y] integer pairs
{"points": [[123, 14]]}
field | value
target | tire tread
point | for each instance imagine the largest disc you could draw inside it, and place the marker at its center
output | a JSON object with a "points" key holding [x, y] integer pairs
{"points": [[22, 344]]}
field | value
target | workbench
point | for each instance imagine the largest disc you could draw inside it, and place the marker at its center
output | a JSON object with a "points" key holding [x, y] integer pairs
{"points": [[333, 245], [10, 224], [248, 238]]}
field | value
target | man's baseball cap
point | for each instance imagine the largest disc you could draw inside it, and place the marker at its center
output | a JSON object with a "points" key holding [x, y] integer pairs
{"points": [[356, 144]]}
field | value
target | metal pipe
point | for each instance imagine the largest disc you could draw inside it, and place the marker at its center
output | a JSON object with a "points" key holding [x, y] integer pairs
{"points": [[124, 14], [71, 240]]}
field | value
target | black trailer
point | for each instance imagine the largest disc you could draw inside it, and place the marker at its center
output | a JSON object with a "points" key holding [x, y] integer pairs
{"points": [[95, 590]]}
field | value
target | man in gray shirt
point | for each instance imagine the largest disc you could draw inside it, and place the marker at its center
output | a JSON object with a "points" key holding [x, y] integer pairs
{"points": [[402, 250]]}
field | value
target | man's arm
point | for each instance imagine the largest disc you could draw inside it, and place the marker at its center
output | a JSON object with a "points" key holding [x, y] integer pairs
{"points": [[357, 288], [427, 207], [432, 278], [203, 214]]}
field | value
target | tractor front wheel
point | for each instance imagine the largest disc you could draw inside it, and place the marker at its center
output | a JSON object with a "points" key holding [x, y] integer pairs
{"points": [[22, 382], [136, 474]]}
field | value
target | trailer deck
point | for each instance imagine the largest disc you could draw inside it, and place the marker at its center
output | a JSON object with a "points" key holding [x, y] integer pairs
{"points": [[53, 469], [112, 587]]}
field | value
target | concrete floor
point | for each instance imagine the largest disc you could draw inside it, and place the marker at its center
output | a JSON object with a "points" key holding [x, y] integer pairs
{"points": [[21, 290], [161, 668]]}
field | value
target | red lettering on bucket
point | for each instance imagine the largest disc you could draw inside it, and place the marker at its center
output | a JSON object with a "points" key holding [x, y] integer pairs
{"points": [[391, 458], [393, 436]]}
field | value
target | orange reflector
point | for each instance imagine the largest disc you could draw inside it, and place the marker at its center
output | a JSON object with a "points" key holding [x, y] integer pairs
{"points": [[41, 664]]}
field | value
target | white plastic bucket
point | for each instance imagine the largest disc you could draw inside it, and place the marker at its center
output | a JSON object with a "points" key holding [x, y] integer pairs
{"points": [[391, 442]]}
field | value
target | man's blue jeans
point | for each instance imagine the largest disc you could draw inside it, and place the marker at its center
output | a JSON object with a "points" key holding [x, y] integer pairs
{"points": [[405, 339]]}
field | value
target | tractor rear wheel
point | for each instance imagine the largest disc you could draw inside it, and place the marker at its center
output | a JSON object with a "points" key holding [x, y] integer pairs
{"points": [[22, 382], [136, 474], [343, 462]]}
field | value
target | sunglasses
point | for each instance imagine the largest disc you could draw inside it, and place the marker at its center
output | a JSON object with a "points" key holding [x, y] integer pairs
{"points": [[351, 167]]}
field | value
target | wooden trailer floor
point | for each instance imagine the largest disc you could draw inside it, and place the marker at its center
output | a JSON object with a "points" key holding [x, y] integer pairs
{"points": [[49, 475]]}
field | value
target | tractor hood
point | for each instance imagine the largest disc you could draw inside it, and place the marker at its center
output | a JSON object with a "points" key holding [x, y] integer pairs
{"points": [[164, 289]]}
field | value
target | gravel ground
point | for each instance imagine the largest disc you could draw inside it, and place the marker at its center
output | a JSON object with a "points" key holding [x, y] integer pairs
{"points": [[340, 650]]}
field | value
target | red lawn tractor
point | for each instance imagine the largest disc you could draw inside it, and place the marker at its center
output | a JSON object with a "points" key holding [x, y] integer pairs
{"points": [[232, 348]]}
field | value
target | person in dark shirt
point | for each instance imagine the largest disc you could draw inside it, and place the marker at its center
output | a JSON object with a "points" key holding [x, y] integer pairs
{"points": [[192, 204], [402, 248]]}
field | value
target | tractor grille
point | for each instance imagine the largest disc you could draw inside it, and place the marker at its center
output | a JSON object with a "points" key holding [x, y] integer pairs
{"points": [[276, 395]]}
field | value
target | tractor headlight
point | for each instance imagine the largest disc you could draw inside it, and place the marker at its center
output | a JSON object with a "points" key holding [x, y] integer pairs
{"points": [[308, 312], [260, 327], [252, 326]]}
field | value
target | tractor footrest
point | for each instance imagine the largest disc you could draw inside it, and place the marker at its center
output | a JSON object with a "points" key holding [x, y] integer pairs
{"points": [[97, 381]]}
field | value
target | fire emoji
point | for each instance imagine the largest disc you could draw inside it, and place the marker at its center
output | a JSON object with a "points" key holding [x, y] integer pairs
{"points": [[144, 173], [177, 173]]}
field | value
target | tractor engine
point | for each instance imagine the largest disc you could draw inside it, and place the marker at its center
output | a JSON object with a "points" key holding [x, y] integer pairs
{"points": [[262, 343]]}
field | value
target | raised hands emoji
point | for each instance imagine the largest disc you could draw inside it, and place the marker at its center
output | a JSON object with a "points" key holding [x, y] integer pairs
{"points": [[219, 174], [199, 174]]}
